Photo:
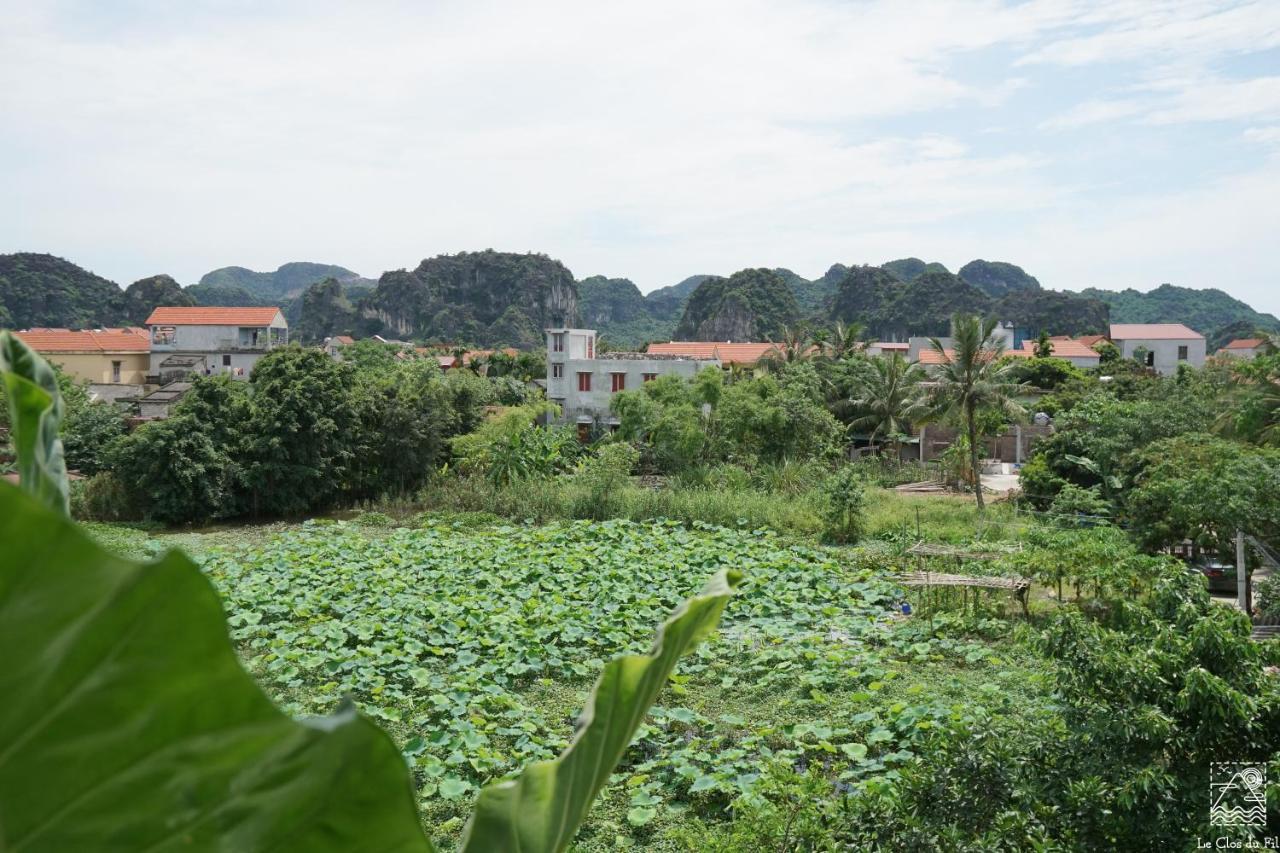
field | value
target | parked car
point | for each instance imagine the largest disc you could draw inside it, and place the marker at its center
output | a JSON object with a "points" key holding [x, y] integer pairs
{"points": [[1221, 575]]}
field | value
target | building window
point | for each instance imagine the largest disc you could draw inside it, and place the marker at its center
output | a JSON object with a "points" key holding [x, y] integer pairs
{"points": [[226, 361], [557, 371], [1182, 353], [584, 381], [115, 371], [649, 377], [591, 346], [162, 335], [1151, 358], [557, 341], [617, 382]]}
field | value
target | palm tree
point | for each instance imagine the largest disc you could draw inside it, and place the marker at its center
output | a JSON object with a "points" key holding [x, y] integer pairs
{"points": [[889, 398], [796, 346], [973, 377], [844, 340]]}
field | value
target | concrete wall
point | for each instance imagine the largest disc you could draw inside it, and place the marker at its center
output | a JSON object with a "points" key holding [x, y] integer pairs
{"points": [[1014, 445], [111, 392], [586, 406], [575, 356], [96, 367], [1165, 352]]}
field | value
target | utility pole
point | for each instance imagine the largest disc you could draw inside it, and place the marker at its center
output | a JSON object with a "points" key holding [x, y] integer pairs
{"points": [[1242, 575]]}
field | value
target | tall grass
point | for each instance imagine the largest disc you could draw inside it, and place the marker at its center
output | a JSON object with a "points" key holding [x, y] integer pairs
{"points": [[561, 497]]}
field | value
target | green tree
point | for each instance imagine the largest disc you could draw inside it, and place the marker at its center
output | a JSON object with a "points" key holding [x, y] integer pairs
{"points": [[1203, 488], [300, 441], [888, 400], [88, 434], [971, 379]]}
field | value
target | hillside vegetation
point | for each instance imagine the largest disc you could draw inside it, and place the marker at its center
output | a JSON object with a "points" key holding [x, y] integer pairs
{"points": [[495, 298]]}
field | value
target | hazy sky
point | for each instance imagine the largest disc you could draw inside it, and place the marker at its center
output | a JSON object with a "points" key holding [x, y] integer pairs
{"points": [[1117, 144]]}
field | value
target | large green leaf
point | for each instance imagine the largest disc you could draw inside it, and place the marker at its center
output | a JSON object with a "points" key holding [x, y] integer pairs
{"points": [[539, 811], [35, 412], [127, 722]]}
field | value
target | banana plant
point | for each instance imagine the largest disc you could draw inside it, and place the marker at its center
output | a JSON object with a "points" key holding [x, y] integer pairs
{"points": [[129, 724]]}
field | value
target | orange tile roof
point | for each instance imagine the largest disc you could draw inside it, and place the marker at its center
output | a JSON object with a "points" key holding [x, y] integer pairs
{"points": [[96, 340], [1062, 348], [344, 339], [1244, 343], [1153, 332], [728, 353], [1091, 340], [171, 316]]}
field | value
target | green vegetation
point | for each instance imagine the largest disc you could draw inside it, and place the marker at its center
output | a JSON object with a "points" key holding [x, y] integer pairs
{"points": [[996, 278], [618, 311], [487, 298], [42, 290], [836, 709], [250, 776], [750, 305], [1207, 310], [288, 281]]}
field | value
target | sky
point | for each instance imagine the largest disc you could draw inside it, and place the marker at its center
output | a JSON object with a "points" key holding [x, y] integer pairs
{"points": [[1109, 144]]}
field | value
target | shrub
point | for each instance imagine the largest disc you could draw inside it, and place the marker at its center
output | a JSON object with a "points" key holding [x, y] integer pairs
{"points": [[1074, 501], [102, 497], [600, 480], [1267, 593], [843, 505]]}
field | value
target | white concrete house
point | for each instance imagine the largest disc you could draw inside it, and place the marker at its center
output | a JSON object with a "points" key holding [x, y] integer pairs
{"points": [[1163, 346], [212, 340], [583, 385]]}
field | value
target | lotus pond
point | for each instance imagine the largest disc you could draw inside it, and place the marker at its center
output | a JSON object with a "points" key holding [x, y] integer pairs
{"points": [[475, 647]]}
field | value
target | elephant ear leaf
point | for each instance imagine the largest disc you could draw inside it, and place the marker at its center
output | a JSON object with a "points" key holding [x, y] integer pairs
{"points": [[540, 810], [129, 724], [35, 412]]}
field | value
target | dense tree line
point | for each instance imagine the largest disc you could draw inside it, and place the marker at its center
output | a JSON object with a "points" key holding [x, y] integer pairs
{"points": [[305, 434]]}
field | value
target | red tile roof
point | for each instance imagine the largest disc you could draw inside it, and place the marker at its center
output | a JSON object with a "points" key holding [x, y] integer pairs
{"points": [[343, 339], [92, 341], [1153, 332], [1244, 343], [728, 353], [1062, 348], [1091, 340], [170, 316]]}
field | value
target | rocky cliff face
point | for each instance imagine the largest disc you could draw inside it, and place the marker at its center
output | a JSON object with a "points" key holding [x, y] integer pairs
{"points": [[997, 278], [750, 305], [475, 297]]}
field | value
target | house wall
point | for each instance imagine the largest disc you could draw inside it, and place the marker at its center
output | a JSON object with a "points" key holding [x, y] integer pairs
{"points": [[1014, 445], [586, 406], [95, 367], [226, 349], [1166, 352]]}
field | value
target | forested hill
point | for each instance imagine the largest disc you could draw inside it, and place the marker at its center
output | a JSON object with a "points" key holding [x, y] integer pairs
{"points": [[494, 298], [288, 281], [1217, 315]]}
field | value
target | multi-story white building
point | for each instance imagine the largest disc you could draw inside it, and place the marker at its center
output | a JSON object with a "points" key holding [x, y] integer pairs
{"points": [[583, 385], [212, 340], [1162, 346]]}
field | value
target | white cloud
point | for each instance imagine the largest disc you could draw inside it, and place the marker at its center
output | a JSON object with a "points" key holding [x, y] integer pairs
{"points": [[650, 140]]}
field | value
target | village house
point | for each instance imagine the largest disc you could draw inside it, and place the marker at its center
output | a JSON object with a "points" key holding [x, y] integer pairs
{"points": [[1160, 346], [583, 385], [1242, 348], [113, 362], [187, 341]]}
